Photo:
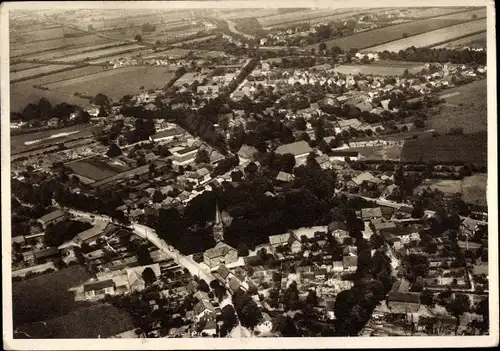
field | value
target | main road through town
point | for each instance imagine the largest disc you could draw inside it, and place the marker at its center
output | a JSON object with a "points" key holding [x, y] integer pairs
{"points": [[151, 235]]}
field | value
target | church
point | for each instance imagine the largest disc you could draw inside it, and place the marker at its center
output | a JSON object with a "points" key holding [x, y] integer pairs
{"points": [[221, 253]]}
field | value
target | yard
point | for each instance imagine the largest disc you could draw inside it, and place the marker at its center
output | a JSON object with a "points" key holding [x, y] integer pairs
{"points": [[467, 110], [395, 32], [434, 37], [117, 82], [47, 296]]}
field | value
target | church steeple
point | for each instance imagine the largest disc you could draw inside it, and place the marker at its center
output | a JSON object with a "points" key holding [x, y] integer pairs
{"points": [[218, 229]]}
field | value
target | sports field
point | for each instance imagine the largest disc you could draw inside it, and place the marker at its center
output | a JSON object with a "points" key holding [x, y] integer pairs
{"points": [[381, 68]]}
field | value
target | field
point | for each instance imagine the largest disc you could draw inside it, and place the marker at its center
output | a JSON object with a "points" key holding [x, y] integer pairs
{"points": [[36, 71], [432, 37], [22, 66], [20, 50], [117, 82], [30, 141], [56, 54], [275, 20], [467, 110], [395, 32], [98, 320], [462, 41], [37, 35], [45, 297], [94, 169], [22, 93], [472, 188], [382, 68], [468, 148]]}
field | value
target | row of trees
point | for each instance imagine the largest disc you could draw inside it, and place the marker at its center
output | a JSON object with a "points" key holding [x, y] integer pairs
{"points": [[43, 110]]}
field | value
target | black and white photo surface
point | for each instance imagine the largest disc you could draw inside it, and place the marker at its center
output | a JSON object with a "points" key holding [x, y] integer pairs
{"points": [[242, 174]]}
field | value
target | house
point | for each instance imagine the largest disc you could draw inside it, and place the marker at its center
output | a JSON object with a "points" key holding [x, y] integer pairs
{"points": [[209, 328], [285, 177], [407, 235], [247, 153], [53, 122], [287, 239], [46, 255], [52, 218], [400, 300], [183, 156], [370, 213], [364, 177], [234, 284], [350, 263], [364, 106], [90, 235], [379, 225], [347, 124], [323, 161], [341, 155], [204, 311], [299, 149], [99, 289], [265, 325], [221, 253], [167, 135], [134, 276], [337, 266], [339, 230]]}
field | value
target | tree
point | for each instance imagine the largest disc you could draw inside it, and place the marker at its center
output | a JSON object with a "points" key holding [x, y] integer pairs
{"points": [[228, 318], [143, 256], [427, 298], [138, 38], [158, 196], [290, 298], [322, 46], [243, 250], [149, 276], [101, 100], [114, 151], [457, 307], [248, 312], [203, 286], [418, 210], [202, 156], [312, 298]]}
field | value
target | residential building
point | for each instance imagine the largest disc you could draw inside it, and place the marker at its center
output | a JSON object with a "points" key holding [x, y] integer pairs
{"points": [[350, 263], [52, 218], [46, 255], [204, 311], [285, 177], [341, 155], [339, 230], [371, 213], [246, 153], [167, 135], [134, 276], [363, 177], [287, 239], [222, 253], [90, 236], [299, 149], [183, 156], [99, 289], [265, 325]]}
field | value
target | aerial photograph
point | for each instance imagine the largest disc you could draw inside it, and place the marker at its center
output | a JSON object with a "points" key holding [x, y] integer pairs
{"points": [[248, 172]]}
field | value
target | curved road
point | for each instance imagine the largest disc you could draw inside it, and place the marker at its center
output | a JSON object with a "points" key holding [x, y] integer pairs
{"points": [[151, 235]]}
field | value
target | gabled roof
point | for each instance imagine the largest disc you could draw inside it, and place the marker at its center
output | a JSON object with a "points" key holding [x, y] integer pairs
{"points": [[337, 225], [221, 249], [96, 230], [371, 212], [247, 151], [99, 285], [297, 148], [202, 306], [223, 271], [365, 176], [51, 251], [52, 216], [284, 177], [352, 122]]}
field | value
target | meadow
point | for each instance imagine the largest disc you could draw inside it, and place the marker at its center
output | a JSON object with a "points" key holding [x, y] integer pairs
{"points": [[382, 68], [297, 16], [33, 72], [462, 41], [93, 169], [466, 110], [395, 32], [117, 82], [431, 38], [56, 54]]}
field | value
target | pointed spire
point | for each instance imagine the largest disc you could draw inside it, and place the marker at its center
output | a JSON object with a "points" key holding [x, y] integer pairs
{"points": [[217, 215]]}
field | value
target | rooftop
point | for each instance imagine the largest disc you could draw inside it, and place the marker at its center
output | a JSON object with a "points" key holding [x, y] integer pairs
{"points": [[52, 216], [297, 148], [99, 285], [221, 249]]}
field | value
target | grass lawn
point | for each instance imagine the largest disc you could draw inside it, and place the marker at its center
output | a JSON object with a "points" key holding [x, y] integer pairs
{"points": [[47, 296], [467, 110], [384, 68]]}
